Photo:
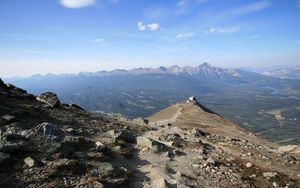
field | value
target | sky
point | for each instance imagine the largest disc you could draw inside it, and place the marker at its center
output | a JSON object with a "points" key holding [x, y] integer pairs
{"points": [[70, 36]]}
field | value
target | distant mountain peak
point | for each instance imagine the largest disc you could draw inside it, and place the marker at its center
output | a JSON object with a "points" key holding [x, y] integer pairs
{"points": [[207, 65], [204, 70]]}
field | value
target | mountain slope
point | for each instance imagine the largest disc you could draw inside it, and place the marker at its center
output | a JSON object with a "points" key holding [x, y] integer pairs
{"points": [[285, 73], [45, 143], [245, 98]]}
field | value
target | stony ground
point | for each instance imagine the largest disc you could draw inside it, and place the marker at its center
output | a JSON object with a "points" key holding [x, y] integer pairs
{"points": [[45, 143]]}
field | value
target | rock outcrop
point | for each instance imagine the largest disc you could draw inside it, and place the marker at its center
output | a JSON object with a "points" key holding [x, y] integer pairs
{"points": [[49, 98]]}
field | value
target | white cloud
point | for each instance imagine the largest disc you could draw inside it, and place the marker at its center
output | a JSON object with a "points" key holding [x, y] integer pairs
{"points": [[180, 36], [141, 26], [98, 40], [184, 35], [152, 27], [225, 30], [77, 3]]}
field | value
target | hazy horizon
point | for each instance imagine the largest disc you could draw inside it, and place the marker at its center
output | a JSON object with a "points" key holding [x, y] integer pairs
{"points": [[258, 69], [71, 36]]}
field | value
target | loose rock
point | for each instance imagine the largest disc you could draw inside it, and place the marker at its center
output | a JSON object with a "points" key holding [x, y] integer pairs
{"points": [[248, 165], [29, 162], [151, 144]]}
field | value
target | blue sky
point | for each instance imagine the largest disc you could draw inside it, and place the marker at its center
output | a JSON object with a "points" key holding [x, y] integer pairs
{"points": [[61, 36]]}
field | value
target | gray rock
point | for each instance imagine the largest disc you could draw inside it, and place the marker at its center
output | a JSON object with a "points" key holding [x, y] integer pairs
{"points": [[172, 137], [211, 161], [49, 98], [114, 134], [198, 133], [49, 129], [269, 174], [45, 145], [46, 138], [151, 144], [14, 147], [104, 170], [101, 147], [120, 135], [75, 143]]}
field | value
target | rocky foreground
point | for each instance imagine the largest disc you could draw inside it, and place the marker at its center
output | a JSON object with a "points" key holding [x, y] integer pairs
{"points": [[45, 143]]}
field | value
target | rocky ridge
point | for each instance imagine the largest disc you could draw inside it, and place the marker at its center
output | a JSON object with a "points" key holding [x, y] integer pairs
{"points": [[204, 70], [44, 143]]}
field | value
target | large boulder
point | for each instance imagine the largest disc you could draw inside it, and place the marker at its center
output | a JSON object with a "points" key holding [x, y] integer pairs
{"points": [[49, 98], [47, 138], [49, 129], [71, 144]]}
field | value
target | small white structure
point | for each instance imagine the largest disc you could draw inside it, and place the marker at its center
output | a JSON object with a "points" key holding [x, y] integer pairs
{"points": [[192, 99]]}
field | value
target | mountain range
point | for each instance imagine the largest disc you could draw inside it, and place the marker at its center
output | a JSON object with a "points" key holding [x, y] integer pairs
{"points": [[246, 98], [285, 73]]}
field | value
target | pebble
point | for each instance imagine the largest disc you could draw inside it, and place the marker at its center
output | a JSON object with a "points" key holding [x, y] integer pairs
{"points": [[211, 161], [253, 176], [275, 184], [29, 162], [248, 165]]}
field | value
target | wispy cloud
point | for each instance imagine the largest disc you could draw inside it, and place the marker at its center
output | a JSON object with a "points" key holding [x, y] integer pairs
{"points": [[152, 26], [77, 3], [224, 30], [184, 35], [98, 40], [238, 11], [247, 9]]}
